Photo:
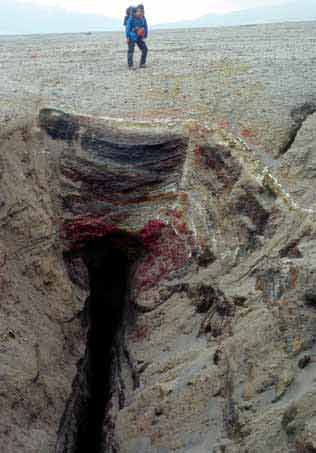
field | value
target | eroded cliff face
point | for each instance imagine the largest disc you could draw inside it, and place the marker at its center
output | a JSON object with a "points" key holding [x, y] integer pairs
{"points": [[157, 287]]}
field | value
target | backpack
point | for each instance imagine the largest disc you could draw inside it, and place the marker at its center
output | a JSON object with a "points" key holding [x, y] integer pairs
{"points": [[129, 12], [141, 6]]}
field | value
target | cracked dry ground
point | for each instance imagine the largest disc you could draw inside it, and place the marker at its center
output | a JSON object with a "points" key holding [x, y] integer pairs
{"points": [[158, 268]]}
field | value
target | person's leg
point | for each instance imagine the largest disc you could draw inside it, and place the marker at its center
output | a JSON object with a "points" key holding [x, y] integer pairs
{"points": [[130, 54], [144, 49]]}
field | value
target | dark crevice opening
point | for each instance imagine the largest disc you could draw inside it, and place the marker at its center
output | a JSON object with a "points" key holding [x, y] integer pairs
{"points": [[299, 116], [109, 262]]}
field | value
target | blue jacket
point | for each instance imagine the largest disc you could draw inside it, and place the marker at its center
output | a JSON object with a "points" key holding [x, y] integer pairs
{"points": [[132, 24]]}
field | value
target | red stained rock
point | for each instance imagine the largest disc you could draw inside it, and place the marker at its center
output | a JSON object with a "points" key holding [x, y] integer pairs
{"points": [[151, 232], [167, 252], [83, 229], [247, 133]]}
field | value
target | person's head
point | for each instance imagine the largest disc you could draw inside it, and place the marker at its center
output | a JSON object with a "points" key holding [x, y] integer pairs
{"points": [[140, 11], [130, 11]]}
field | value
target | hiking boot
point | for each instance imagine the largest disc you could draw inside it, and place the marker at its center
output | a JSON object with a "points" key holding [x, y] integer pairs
{"points": [[143, 66], [131, 68]]}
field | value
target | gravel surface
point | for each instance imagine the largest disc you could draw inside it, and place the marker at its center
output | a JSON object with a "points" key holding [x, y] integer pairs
{"points": [[248, 77]]}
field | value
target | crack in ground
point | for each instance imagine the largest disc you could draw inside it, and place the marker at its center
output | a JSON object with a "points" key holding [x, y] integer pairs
{"points": [[82, 427], [258, 170], [299, 116]]}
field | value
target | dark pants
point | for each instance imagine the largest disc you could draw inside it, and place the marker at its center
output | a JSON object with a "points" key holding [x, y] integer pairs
{"points": [[131, 49]]}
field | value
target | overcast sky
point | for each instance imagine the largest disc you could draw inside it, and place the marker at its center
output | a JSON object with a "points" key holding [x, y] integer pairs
{"points": [[157, 10]]}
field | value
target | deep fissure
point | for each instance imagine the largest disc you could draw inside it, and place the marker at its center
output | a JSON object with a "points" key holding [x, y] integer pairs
{"points": [[109, 264], [299, 116]]}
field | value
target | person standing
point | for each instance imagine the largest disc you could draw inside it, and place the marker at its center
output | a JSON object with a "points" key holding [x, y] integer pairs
{"points": [[136, 33]]}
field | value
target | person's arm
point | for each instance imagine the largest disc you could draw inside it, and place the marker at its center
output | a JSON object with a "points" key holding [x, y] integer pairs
{"points": [[146, 28], [129, 28]]}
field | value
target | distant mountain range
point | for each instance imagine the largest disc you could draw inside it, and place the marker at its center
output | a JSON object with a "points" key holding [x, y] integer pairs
{"points": [[300, 10], [17, 18], [20, 18]]}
